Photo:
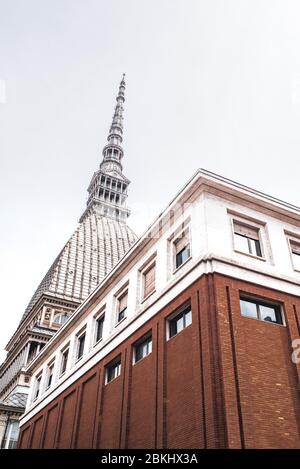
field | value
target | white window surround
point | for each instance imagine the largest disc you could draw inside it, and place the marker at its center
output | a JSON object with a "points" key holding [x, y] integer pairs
{"points": [[293, 238], [121, 293], [150, 262], [61, 352], [37, 388], [50, 366], [99, 315], [79, 334], [183, 227]]}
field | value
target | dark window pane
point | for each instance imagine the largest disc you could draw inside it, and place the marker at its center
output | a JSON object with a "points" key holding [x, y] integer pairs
{"points": [[64, 361], [173, 328], [81, 341], [50, 376], [113, 371], [99, 328], [182, 255], [122, 314]]}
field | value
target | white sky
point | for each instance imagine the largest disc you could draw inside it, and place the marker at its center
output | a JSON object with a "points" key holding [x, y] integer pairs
{"points": [[213, 84]]}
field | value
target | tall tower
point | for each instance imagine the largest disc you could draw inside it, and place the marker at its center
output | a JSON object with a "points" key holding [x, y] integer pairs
{"points": [[108, 187], [101, 239]]}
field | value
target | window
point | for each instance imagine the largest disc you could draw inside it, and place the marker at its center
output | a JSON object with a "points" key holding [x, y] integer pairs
{"points": [[34, 348], [142, 348], [180, 321], [113, 370], [64, 361], [295, 248], [122, 306], [99, 328], [246, 239], [60, 319], [149, 281], [11, 435], [37, 387], [182, 248], [50, 371], [261, 310], [80, 345]]}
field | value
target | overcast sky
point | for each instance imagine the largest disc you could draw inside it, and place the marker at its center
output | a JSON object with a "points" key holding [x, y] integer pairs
{"points": [[212, 84]]}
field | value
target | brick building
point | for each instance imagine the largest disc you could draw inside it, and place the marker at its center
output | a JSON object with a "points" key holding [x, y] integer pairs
{"points": [[188, 341]]}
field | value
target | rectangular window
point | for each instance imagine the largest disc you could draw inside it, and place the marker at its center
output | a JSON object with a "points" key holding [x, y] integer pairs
{"points": [[50, 371], [261, 310], [246, 239], [80, 345], [295, 248], [37, 387], [11, 435], [64, 361], [99, 328], [149, 280], [142, 348], [113, 370], [122, 306], [182, 248], [180, 321]]}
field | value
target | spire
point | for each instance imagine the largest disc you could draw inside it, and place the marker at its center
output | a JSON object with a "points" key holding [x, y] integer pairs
{"points": [[108, 187], [113, 151]]}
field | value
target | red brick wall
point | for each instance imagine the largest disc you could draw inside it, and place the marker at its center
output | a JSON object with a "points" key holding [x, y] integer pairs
{"points": [[261, 382], [50, 425], [67, 418], [225, 381]]}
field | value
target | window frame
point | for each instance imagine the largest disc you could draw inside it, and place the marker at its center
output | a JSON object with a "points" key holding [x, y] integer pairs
{"points": [[120, 294], [293, 238], [143, 271], [59, 315], [100, 316], [50, 366], [37, 386], [185, 230], [62, 353], [79, 335], [179, 311], [146, 338], [116, 363], [258, 301], [8, 442], [252, 225]]}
